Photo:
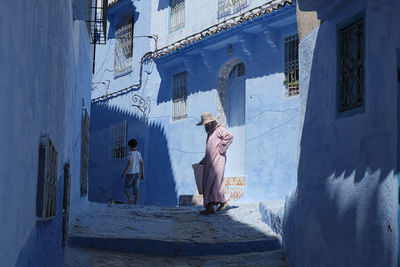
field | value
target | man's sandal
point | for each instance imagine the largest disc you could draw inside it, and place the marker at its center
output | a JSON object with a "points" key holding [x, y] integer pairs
{"points": [[222, 206]]}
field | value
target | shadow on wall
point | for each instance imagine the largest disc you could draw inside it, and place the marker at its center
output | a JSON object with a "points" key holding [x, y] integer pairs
{"points": [[163, 4], [118, 17], [345, 169], [105, 182], [45, 234]]}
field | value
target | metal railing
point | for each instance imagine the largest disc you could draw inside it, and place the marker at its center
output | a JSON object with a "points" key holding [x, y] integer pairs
{"points": [[98, 21]]}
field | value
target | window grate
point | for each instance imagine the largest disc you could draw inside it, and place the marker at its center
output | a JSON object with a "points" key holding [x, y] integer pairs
{"points": [[241, 70], [85, 136], [118, 140], [66, 202], [97, 23], [292, 65], [177, 15], [351, 66], [47, 178], [229, 7], [179, 107], [123, 51]]}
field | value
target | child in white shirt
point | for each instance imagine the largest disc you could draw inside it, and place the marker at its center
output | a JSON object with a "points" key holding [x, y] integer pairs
{"points": [[132, 171]]}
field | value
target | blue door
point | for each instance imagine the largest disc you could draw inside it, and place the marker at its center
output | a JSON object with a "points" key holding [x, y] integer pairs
{"points": [[236, 106]]}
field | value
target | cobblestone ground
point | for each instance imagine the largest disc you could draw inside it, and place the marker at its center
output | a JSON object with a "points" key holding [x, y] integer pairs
{"points": [[239, 227]]}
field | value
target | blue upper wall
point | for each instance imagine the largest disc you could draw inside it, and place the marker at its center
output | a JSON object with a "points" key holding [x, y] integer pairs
{"points": [[170, 146], [346, 206], [45, 80]]}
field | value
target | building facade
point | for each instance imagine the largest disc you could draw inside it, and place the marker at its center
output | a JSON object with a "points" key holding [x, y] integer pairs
{"points": [[345, 209], [169, 61], [45, 105]]}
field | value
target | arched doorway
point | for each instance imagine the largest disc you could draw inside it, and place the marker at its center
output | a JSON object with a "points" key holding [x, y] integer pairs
{"points": [[231, 106]]}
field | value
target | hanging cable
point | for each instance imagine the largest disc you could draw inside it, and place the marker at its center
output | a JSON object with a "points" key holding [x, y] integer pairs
{"points": [[147, 56]]}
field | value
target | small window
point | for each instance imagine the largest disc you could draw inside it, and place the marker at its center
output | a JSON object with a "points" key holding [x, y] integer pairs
{"points": [[66, 203], [123, 47], [47, 180], [351, 66], [179, 96], [118, 140], [229, 7], [292, 65], [177, 15], [241, 70], [85, 134]]}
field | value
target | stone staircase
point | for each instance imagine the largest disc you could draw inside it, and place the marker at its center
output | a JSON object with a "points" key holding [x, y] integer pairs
{"points": [[128, 235]]}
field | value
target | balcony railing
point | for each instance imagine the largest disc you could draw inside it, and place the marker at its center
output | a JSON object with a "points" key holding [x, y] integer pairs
{"points": [[98, 21]]}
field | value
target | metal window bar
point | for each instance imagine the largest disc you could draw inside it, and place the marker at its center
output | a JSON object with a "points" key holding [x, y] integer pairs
{"points": [[292, 65], [118, 140], [85, 136], [66, 202], [47, 178], [351, 66], [179, 108], [98, 21], [123, 50], [177, 15], [241, 70], [229, 7]]}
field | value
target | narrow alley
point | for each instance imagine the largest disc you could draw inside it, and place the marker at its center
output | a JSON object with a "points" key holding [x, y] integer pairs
{"points": [[200, 133]]}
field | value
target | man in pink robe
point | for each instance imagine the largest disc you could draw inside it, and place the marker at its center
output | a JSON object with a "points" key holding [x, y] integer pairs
{"points": [[218, 141]]}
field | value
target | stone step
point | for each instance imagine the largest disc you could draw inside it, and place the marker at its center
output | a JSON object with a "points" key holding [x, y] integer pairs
{"points": [[174, 249], [90, 257], [177, 231]]}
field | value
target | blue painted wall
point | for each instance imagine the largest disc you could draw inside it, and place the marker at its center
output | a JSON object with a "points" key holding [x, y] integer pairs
{"points": [[45, 80], [171, 147], [344, 212]]}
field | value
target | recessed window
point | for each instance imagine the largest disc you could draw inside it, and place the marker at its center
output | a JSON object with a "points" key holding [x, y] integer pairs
{"points": [[292, 65], [229, 7], [351, 66], [47, 180], [123, 47], [177, 15], [118, 140], [66, 202], [241, 70], [179, 108], [85, 133]]}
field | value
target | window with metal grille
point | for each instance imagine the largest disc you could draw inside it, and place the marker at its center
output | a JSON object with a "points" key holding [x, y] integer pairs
{"points": [[118, 140], [177, 15], [229, 7], [351, 66], [66, 202], [292, 65], [241, 70], [123, 47], [179, 96], [85, 135], [47, 179]]}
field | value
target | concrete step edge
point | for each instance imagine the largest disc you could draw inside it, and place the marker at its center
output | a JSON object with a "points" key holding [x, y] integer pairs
{"points": [[174, 248]]}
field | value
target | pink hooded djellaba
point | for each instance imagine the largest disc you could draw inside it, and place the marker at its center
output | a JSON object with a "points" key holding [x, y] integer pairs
{"points": [[215, 159]]}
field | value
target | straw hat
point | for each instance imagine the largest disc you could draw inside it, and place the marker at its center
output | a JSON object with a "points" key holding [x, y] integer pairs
{"points": [[206, 117]]}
